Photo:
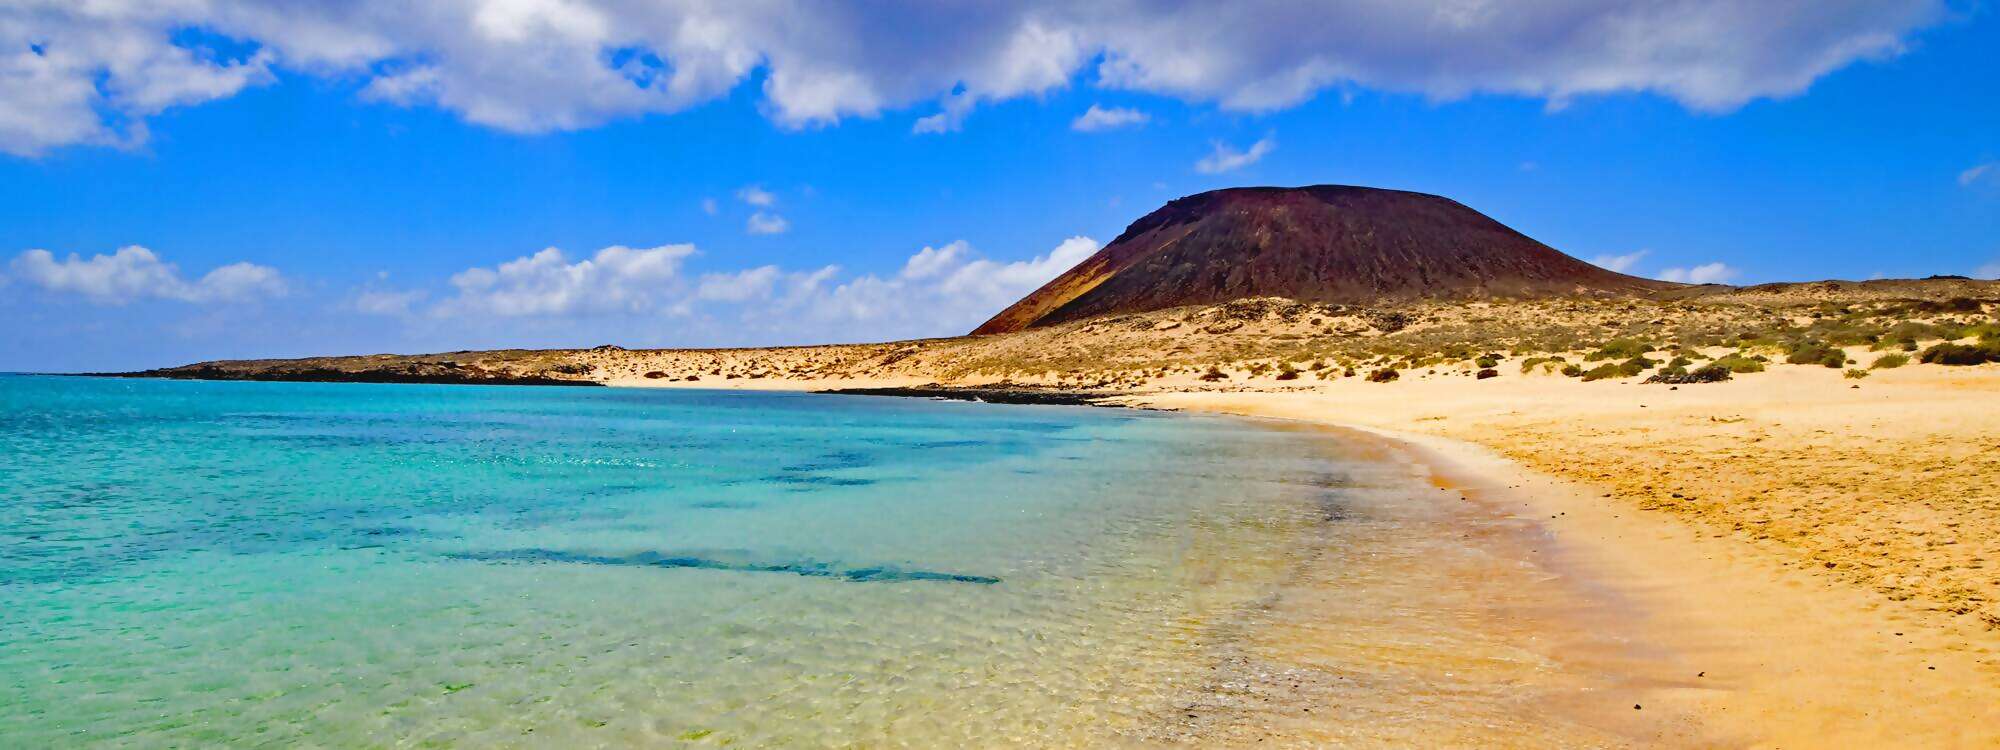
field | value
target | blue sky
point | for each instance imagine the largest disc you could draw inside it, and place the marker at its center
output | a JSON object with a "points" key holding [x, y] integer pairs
{"points": [[246, 189]]}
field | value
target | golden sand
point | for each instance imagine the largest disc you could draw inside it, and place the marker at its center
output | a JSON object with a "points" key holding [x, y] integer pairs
{"points": [[1818, 556]]}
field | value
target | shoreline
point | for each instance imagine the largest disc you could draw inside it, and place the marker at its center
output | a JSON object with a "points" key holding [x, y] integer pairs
{"points": [[1772, 655]]}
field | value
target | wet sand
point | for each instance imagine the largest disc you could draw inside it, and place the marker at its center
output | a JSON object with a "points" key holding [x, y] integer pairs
{"points": [[1727, 638], [1433, 616]]}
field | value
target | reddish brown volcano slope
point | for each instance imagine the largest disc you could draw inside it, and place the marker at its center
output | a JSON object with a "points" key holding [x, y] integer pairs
{"points": [[1327, 243]]}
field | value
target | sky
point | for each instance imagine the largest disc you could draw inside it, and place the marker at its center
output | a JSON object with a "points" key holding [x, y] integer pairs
{"points": [[183, 180]]}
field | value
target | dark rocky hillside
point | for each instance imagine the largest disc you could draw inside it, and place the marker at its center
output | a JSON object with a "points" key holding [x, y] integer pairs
{"points": [[1326, 243]]}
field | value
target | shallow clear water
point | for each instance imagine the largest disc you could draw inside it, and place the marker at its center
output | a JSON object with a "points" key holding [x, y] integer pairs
{"points": [[186, 563]]}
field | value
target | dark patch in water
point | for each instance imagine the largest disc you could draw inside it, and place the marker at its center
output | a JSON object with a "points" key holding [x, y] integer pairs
{"points": [[723, 505], [818, 480], [649, 558], [831, 461], [948, 444]]}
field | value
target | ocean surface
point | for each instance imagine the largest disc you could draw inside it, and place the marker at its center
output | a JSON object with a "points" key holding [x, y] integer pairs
{"points": [[280, 564]]}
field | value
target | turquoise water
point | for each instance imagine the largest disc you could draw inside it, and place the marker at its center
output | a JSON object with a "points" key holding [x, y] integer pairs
{"points": [[188, 563]]}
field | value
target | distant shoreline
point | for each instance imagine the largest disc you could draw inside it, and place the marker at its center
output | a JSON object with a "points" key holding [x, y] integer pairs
{"points": [[331, 376]]}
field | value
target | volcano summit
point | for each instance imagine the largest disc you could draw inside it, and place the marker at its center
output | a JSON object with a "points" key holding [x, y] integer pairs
{"points": [[1325, 243]]}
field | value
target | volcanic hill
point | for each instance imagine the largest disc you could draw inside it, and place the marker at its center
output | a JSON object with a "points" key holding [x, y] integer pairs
{"points": [[1326, 243]]}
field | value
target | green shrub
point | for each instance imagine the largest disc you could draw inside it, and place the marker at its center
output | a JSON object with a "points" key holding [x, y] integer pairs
{"points": [[1737, 363], [1287, 372], [1383, 375], [1960, 354], [1816, 353], [1854, 374], [1890, 361], [1486, 362], [1909, 332], [1625, 369], [1214, 373], [1529, 364], [1574, 371], [1619, 349], [1703, 374]]}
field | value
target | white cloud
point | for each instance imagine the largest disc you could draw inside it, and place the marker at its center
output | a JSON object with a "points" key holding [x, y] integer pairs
{"points": [[1706, 273], [755, 283], [763, 222], [709, 207], [92, 72], [757, 196], [938, 291], [949, 119], [134, 273], [1225, 158], [1619, 263], [616, 279], [1969, 176], [1107, 118]]}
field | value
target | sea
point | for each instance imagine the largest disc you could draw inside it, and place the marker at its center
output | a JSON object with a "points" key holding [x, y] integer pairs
{"points": [[188, 564]]}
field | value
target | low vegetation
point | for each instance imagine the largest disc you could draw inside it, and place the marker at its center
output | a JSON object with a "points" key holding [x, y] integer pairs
{"points": [[1961, 354], [1680, 375], [1667, 340]]}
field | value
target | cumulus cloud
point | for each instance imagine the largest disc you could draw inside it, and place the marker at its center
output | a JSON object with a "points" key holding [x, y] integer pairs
{"points": [[1975, 174], [763, 222], [1107, 118], [757, 196], [1225, 158], [617, 279], [740, 286], [939, 290], [134, 273], [92, 72], [951, 117], [942, 290], [1706, 273], [1619, 263]]}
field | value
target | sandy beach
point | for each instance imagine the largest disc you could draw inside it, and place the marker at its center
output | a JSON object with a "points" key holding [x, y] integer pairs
{"points": [[1794, 559]]}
